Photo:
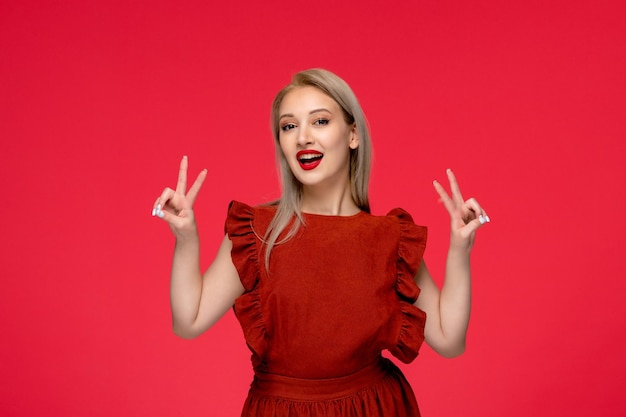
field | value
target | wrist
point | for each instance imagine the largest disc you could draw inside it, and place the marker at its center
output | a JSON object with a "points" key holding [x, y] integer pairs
{"points": [[459, 251], [185, 238]]}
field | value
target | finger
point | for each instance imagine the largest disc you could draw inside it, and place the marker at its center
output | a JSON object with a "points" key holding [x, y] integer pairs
{"points": [[181, 186], [163, 199], [165, 202], [457, 197], [473, 206], [195, 187], [157, 210], [156, 206], [444, 197], [478, 210], [161, 212], [166, 215], [474, 225]]}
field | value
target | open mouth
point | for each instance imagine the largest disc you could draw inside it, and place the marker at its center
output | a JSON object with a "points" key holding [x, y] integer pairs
{"points": [[309, 159]]}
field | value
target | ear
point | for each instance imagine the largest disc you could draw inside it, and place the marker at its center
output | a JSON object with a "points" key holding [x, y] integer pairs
{"points": [[354, 137]]}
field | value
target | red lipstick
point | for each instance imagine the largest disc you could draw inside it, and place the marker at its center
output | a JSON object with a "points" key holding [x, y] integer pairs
{"points": [[309, 159]]}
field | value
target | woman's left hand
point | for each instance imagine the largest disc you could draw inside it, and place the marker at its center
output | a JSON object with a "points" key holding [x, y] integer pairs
{"points": [[466, 216]]}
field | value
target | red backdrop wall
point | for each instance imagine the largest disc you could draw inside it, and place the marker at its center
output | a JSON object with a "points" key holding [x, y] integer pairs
{"points": [[99, 101]]}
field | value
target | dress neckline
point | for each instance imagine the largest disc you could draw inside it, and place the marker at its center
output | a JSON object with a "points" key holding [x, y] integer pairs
{"points": [[333, 216]]}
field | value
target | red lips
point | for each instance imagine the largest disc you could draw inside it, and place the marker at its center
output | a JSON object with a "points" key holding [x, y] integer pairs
{"points": [[309, 159]]}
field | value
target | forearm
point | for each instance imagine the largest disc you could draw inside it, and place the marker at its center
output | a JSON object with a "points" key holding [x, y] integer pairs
{"points": [[455, 301], [450, 307], [185, 284]]}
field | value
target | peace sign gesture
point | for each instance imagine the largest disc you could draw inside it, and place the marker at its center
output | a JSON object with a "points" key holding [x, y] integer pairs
{"points": [[466, 216], [176, 206]]}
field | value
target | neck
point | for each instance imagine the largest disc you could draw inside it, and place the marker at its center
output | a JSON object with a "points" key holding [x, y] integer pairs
{"points": [[335, 202]]}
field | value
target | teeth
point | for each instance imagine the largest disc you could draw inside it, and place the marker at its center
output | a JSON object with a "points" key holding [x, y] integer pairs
{"points": [[309, 156]]}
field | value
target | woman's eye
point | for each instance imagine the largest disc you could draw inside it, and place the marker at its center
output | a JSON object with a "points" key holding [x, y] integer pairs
{"points": [[321, 122], [287, 126]]}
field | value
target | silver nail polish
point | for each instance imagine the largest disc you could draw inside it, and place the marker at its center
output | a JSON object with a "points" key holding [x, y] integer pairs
{"points": [[160, 214], [153, 212], [482, 219]]}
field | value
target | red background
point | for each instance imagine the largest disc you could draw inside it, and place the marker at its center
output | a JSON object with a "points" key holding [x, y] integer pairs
{"points": [[99, 101]]}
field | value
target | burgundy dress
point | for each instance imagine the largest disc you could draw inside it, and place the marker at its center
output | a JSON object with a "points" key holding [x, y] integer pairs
{"points": [[336, 295]]}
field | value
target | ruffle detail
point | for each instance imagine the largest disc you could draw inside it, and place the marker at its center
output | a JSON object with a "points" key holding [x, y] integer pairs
{"points": [[412, 244], [385, 393], [244, 253]]}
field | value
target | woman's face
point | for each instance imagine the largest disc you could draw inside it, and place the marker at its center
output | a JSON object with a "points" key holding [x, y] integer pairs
{"points": [[315, 138]]}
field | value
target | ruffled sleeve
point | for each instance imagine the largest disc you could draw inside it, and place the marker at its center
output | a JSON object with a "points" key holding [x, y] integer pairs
{"points": [[240, 229], [411, 246], [244, 252]]}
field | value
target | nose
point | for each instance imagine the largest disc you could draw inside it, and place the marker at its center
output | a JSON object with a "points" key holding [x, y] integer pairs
{"points": [[304, 137]]}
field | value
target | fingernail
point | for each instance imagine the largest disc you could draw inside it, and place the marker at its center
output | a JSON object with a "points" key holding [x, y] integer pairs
{"points": [[482, 219], [159, 207], [160, 214], [487, 218], [154, 212]]}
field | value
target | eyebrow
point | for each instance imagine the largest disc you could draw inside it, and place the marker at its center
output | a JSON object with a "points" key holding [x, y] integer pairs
{"points": [[311, 112]]}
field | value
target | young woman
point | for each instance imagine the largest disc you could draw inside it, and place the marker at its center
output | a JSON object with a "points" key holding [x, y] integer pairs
{"points": [[319, 285]]}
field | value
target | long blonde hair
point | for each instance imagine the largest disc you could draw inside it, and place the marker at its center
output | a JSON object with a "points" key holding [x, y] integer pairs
{"points": [[360, 158]]}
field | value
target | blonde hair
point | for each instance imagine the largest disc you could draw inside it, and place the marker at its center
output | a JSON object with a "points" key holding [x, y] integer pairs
{"points": [[360, 158]]}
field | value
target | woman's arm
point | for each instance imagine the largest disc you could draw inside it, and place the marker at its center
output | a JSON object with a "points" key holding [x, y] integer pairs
{"points": [[448, 310], [197, 300]]}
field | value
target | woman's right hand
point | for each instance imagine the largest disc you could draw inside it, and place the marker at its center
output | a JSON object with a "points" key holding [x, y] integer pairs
{"points": [[176, 206]]}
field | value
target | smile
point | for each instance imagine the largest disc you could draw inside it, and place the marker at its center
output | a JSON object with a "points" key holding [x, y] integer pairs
{"points": [[309, 159]]}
